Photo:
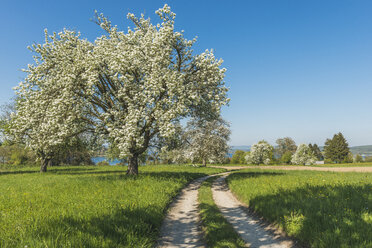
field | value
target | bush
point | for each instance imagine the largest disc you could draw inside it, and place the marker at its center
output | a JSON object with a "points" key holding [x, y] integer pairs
{"points": [[286, 158], [238, 157], [368, 159], [358, 158], [103, 163]]}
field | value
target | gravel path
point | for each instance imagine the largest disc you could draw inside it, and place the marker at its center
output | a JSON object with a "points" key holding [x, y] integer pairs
{"points": [[181, 225], [252, 230], [278, 167]]}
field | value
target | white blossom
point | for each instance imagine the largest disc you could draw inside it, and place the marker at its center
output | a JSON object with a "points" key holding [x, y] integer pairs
{"points": [[125, 86], [303, 155], [260, 153]]}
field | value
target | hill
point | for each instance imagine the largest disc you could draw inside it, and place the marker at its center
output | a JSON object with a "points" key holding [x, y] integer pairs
{"points": [[362, 150]]}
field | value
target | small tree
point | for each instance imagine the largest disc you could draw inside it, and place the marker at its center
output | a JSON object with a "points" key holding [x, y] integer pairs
{"points": [[261, 153], [358, 158], [316, 151], [206, 141], [303, 155], [238, 157], [336, 149], [284, 145], [286, 158]]}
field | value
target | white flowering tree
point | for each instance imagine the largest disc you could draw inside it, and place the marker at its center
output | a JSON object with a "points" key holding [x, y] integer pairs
{"points": [[205, 141], [127, 87], [303, 155], [261, 153]]}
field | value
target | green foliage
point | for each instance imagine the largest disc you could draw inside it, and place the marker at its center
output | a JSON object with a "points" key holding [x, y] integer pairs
{"points": [[284, 145], [358, 158], [316, 151], [336, 149], [239, 157], [103, 163], [349, 158], [16, 155], [88, 206], [286, 158], [74, 152], [368, 159], [217, 231], [321, 209]]}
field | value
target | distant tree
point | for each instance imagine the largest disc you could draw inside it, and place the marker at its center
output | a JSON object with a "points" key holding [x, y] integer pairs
{"points": [[5, 114], [238, 157], [316, 151], [349, 158], [286, 158], [336, 149], [261, 153], [368, 159], [284, 145], [205, 141], [303, 155], [5, 153], [358, 158]]}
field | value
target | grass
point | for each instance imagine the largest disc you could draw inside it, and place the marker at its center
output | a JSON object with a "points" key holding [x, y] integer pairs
{"points": [[321, 209], [88, 206], [217, 231]]}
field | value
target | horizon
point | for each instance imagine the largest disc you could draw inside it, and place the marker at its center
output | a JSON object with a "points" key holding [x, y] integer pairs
{"points": [[294, 69]]}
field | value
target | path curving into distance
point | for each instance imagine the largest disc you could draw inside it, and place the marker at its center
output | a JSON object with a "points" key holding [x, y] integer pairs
{"points": [[251, 229], [180, 227]]}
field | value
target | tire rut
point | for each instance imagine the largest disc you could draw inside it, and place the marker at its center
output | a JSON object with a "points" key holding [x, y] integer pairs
{"points": [[251, 229]]}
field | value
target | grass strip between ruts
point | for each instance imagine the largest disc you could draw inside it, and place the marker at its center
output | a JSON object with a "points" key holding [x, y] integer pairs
{"points": [[217, 231]]}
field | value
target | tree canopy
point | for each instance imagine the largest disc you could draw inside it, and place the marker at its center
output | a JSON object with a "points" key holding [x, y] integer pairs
{"points": [[126, 87], [284, 145], [303, 155], [336, 149], [261, 153], [316, 151], [204, 141]]}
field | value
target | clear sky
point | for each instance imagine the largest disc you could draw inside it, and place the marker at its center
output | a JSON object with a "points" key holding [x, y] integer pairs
{"points": [[301, 69]]}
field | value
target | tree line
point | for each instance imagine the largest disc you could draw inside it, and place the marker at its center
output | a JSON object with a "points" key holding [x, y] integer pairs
{"points": [[335, 150]]}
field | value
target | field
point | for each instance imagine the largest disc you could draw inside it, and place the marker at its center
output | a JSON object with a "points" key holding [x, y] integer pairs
{"points": [[320, 209], [88, 206]]}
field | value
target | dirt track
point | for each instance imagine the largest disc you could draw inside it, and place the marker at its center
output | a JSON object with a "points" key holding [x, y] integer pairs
{"points": [[250, 228], [335, 169]]}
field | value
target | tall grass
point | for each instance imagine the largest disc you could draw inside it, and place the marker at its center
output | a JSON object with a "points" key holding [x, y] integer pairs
{"points": [[88, 206], [321, 209]]}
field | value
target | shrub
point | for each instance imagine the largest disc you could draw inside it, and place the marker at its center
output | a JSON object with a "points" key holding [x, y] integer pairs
{"points": [[286, 158], [103, 163]]}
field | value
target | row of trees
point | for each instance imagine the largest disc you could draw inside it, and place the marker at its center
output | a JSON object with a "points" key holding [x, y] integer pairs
{"points": [[336, 150]]}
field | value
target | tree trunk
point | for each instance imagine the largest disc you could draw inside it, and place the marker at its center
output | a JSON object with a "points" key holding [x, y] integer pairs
{"points": [[133, 165], [204, 162], [44, 165]]}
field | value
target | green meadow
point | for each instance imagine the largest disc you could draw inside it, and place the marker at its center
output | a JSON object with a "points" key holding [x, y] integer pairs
{"points": [[320, 209], [88, 206]]}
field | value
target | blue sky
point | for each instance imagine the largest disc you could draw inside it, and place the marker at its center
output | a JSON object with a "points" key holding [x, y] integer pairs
{"points": [[301, 69]]}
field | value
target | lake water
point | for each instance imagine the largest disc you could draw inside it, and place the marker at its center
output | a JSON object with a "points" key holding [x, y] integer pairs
{"points": [[96, 160]]}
